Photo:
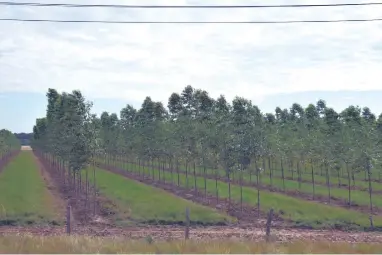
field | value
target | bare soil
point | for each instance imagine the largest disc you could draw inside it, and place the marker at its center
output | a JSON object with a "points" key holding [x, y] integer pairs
{"points": [[167, 233], [86, 211]]}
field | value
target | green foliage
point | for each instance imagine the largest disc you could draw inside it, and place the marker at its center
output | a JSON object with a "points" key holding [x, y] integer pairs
{"points": [[8, 142], [66, 130], [212, 133]]}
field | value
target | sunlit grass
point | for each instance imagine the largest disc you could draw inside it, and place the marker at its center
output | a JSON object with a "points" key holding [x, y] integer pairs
{"points": [[137, 202], [24, 197], [301, 212]]}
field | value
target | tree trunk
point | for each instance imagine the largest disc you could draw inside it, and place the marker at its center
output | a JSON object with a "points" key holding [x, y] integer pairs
{"points": [[195, 187], [153, 168], [282, 173], [314, 188], [205, 178], [368, 169], [177, 170], [216, 185], [338, 177], [94, 188], [229, 188], [291, 168], [299, 175], [349, 183], [164, 174], [159, 168], [186, 175], [172, 170], [270, 171], [328, 181], [258, 188]]}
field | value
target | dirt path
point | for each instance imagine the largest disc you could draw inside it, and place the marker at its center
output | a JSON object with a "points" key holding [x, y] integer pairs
{"points": [[82, 206], [334, 201], [204, 233]]}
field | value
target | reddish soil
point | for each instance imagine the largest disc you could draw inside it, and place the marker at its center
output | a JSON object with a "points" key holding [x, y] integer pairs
{"points": [[166, 233], [82, 206], [334, 201]]}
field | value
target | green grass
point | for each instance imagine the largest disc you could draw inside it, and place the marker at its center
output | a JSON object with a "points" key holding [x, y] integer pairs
{"points": [[333, 180], [140, 203], [302, 213], [24, 198], [357, 196], [305, 175]]}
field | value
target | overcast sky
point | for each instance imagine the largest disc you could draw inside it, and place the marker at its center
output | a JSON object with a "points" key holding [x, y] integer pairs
{"points": [[273, 65]]}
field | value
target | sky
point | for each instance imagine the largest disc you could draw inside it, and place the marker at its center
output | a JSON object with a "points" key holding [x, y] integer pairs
{"points": [[114, 65]]}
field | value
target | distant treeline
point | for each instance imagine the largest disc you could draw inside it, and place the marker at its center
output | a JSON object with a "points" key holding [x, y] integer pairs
{"points": [[24, 138]]}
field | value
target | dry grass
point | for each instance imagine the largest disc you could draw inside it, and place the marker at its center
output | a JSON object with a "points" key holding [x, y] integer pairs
{"points": [[26, 148], [81, 244]]}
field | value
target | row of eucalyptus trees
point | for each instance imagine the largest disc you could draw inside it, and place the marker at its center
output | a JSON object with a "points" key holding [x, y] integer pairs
{"points": [[65, 140], [9, 144], [196, 131]]}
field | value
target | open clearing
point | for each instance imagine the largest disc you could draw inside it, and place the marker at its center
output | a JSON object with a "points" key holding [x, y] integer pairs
{"points": [[24, 197], [139, 203], [301, 212]]}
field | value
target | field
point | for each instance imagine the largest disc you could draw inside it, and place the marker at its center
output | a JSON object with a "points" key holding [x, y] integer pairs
{"points": [[24, 197], [292, 207], [147, 204], [143, 204]]}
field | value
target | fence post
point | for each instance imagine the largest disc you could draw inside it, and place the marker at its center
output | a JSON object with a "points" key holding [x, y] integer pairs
{"points": [[268, 226], [187, 230], [68, 219], [371, 222]]}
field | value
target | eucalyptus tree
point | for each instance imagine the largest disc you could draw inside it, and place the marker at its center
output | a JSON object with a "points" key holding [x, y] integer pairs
{"points": [[218, 133], [368, 147], [8, 144], [330, 129], [204, 106], [244, 117], [63, 131]]}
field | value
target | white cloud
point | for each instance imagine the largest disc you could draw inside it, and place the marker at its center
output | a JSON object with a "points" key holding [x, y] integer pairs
{"points": [[132, 61]]}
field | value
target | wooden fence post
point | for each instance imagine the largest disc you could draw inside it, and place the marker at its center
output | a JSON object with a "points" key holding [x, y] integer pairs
{"points": [[371, 222], [268, 226], [187, 230], [68, 219]]}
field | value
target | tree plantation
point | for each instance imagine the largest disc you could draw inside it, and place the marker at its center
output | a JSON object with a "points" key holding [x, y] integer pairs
{"points": [[313, 165], [225, 163]]}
